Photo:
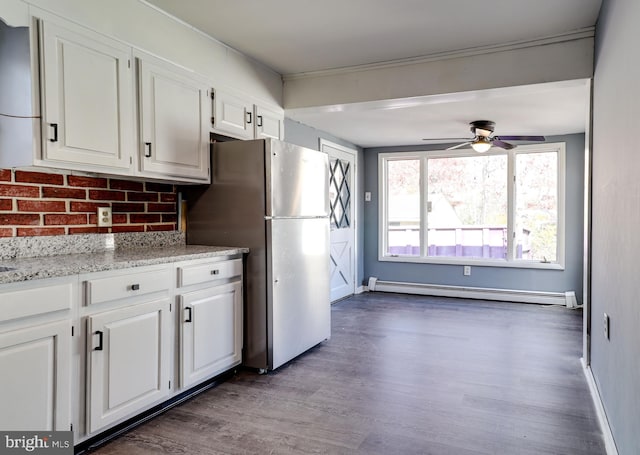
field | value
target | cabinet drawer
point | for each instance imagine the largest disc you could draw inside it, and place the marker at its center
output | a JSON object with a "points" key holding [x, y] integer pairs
{"points": [[38, 300], [132, 284], [209, 271]]}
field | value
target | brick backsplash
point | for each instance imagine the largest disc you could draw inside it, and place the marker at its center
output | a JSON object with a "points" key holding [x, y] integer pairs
{"points": [[42, 203]]}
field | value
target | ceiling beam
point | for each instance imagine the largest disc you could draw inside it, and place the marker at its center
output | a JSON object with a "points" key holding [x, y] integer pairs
{"points": [[560, 58]]}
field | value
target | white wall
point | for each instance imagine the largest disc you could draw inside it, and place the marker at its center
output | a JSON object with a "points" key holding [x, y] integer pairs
{"points": [[616, 220]]}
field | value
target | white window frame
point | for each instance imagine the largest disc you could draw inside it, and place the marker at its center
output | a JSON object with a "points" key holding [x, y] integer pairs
{"points": [[510, 261]]}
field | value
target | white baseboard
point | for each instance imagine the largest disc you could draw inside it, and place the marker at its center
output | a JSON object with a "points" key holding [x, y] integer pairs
{"points": [[361, 289], [509, 295], [609, 442]]}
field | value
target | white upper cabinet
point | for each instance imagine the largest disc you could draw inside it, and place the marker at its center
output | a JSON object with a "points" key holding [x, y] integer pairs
{"points": [[232, 115], [237, 116], [108, 107], [269, 123], [174, 123], [87, 98]]}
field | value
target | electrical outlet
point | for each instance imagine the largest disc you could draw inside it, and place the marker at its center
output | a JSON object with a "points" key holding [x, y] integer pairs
{"points": [[605, 321], [367, 196], [104, 217], [466, 271]]}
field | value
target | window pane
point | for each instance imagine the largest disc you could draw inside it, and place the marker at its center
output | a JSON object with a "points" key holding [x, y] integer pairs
{"points": [[537, 206], [339, 194], [467, 206], [403, 207]]}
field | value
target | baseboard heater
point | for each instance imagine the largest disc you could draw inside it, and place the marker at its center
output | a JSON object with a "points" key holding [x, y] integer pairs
{"points": [[567, 299]]}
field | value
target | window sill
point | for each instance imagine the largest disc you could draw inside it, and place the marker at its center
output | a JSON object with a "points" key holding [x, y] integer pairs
{"points": [[473, 262]]}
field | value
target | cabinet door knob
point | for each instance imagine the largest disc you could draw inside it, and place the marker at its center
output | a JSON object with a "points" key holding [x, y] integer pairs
{"points": [[188, 318], [100, 335], [147, 152], [55, 132]]}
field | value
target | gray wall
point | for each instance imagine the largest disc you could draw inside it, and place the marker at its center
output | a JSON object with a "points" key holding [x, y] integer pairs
{"points": [[306, 136], [615, 287], [569, 279]]}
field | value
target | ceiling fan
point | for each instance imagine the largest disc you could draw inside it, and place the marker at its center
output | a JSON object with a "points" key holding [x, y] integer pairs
{"points": [[484, 138]]}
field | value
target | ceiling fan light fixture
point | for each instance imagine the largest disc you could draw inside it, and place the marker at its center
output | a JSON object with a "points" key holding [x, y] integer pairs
{"points": [[481, 144]]}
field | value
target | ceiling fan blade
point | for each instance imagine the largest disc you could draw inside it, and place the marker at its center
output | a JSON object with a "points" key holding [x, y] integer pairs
{"points": [[459, 145], [502, 144], [450, 139], [522, 138]]}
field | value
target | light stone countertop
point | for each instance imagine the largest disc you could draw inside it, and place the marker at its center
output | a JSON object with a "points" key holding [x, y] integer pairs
{"points": [[39, 267]]}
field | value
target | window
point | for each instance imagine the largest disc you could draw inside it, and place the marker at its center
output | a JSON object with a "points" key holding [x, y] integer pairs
{"points": [[502, 208]]}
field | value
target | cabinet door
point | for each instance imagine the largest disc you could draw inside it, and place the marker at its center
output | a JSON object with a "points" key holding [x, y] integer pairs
{"points": [[174, 121], [129, 361], [232, 115], [269, 123], [87, 95], [35, 382], [211, 332]]}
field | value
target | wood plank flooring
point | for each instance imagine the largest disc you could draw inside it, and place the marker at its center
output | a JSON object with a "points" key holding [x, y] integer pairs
{"points": [[401, 375]]}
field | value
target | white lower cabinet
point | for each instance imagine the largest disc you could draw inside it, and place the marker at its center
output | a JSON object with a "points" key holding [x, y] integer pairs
{"points": [[35, 380], [153, 332], [129, 365], [210, 332], [35, 355], [90, 351]]}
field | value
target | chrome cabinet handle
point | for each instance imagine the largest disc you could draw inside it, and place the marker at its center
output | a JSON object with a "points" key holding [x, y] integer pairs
{"points": [[215, 272], [135, 287]]}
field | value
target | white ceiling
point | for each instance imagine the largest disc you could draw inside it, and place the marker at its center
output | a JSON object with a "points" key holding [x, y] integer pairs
{"points": [[295, 36]]}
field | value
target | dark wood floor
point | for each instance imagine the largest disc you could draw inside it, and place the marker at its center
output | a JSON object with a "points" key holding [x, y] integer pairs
{"points": [[402, 375]]}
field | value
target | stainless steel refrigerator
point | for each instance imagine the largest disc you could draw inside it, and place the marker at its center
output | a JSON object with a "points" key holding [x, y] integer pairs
{"points": [[271, 197]]}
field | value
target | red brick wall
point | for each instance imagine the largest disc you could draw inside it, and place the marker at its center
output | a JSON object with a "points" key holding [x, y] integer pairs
{"points": [[38, 203]]}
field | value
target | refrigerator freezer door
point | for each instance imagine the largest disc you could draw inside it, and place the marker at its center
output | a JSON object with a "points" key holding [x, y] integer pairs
{"points": [[299, 181], [299, 307]]}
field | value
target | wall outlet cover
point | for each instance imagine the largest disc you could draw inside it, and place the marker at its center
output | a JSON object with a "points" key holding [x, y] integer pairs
{"points": [[104, 217]]}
